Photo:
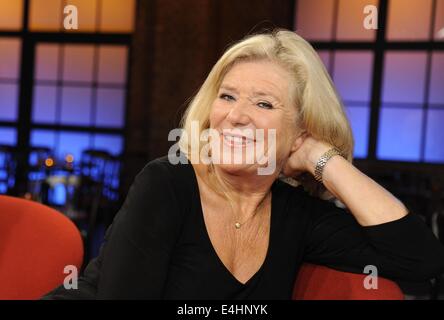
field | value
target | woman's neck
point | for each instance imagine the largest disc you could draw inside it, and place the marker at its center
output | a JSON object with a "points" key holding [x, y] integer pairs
{"points": [[247, 192]]}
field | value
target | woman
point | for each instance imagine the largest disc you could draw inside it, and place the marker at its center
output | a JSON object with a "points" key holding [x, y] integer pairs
{"points": [[221, 230]]}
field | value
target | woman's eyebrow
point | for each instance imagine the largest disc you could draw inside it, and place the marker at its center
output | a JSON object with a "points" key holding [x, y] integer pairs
{"points": [[228, 87], [262, 93], [255, 93]]}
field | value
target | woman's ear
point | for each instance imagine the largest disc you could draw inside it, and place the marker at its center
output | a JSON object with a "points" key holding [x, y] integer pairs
{"points": [[297, 143]]}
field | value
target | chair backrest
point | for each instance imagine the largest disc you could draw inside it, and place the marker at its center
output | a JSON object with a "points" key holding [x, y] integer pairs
{"points": [[36, 244], [316, 282]]}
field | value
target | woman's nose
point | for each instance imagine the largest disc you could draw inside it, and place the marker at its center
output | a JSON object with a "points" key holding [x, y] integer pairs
{"points": [[238, 114]]}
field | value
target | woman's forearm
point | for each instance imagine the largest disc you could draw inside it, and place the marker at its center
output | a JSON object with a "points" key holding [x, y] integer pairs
{"points": [[369, 202]]}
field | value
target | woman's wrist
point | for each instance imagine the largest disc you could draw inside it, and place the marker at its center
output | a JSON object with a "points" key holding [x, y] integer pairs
{"points": [[316, 152], [322, 162]]}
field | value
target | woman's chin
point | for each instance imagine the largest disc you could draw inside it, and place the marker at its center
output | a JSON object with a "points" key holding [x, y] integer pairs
{"points": [[238, 169]]}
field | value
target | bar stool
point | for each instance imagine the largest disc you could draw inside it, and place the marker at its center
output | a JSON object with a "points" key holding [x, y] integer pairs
{"points": [[40, 163], [7, 168], [95, 167]]}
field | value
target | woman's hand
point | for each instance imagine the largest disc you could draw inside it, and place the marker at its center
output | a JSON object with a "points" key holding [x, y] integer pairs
{"points": [[370, 203], [305, 154]]}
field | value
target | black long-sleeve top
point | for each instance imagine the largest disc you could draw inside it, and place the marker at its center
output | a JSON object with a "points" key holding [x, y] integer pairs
{"points": [[158, 246]]}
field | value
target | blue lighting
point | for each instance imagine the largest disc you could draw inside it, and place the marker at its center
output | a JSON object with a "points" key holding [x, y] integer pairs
{"points": [[111, 143], [434, 148], [57, 195], [8, 136], [73, 143], [8, 102], [359, 120], [44, 105], [400, 134]]}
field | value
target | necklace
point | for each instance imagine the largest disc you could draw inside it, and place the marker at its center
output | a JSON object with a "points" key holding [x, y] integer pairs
{"points": [[238, 224]]}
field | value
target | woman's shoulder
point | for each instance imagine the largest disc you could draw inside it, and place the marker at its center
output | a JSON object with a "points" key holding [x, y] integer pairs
{"points": [[161, 169], [161, 174], [160, 187]]}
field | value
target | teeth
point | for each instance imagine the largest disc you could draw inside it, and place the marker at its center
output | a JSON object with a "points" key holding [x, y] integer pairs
{"points": [[236, 140]]}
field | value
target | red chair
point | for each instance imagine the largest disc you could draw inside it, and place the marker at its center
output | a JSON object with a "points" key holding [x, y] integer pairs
{"points": [[321, 283], [36, 243]]}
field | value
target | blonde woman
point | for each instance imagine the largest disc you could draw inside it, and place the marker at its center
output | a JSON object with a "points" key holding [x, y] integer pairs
{"points": [[220, 230]]}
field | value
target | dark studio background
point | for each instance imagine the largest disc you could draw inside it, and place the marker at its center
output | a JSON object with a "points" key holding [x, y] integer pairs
{"points": [[154, 56]]}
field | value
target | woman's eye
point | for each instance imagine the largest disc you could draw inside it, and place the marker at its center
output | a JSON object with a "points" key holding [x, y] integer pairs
{"points": [[226, 97], [265, 105]]}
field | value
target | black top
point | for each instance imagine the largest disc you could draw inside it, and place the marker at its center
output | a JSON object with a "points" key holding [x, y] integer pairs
{"points": [[158, 246]]}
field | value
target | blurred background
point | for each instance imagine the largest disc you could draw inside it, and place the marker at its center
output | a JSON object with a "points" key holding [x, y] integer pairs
{"points": [[82, 111]]}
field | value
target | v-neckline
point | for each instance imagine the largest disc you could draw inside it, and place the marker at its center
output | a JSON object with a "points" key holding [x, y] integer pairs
{"points": [[210, 244]]}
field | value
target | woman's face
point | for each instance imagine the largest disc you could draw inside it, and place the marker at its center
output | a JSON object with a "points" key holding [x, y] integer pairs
{"points": [[254, 95]]}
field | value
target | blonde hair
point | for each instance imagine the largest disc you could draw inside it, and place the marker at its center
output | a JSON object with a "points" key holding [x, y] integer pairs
{"points": [[320, 110]]}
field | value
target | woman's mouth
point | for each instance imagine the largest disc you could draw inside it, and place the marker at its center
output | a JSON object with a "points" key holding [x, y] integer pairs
{"points": [[237, 141]]}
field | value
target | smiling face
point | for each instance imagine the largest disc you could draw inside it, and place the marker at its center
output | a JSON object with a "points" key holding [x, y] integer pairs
{"points": [[254, 95]]}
